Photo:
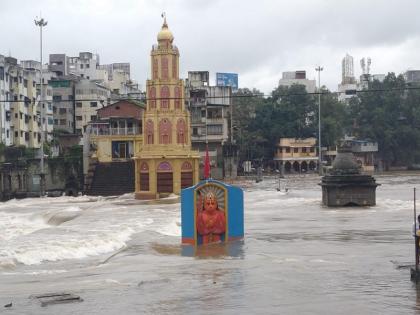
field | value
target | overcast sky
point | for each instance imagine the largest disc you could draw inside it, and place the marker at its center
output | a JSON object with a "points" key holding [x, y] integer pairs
{"points": [[257, 39]]}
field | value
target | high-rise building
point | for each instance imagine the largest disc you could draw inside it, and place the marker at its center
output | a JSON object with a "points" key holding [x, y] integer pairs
{"points": [[347, 70], [166, 163]]}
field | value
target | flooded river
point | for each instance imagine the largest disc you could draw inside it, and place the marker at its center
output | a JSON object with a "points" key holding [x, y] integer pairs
{"points": [[123, 256]]}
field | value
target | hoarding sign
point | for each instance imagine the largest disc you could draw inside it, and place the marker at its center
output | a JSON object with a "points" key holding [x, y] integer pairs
{"points": [[227, 79]]}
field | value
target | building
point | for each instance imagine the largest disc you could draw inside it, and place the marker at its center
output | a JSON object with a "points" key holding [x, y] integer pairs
{"points": [[5, 97], [25, 112], [90, 96], [210, 109], [64, 103], [115, 76], [117, 132], [412, 76], [45, 110], [348, 84], [296, 155], [166, 163], [298, 77]]}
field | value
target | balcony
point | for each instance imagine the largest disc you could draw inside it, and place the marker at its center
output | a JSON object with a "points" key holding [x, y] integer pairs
{"points": [[106, 131]]}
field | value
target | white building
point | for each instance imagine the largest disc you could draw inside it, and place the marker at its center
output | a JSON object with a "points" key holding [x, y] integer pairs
{"points": [[5, 97], [297, 77], [90, 96]]}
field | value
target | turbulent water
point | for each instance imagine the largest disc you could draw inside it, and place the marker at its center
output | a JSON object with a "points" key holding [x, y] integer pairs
{"points": [[123, 256]]}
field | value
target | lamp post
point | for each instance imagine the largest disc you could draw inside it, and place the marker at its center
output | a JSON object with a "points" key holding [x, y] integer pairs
{"points": [[41, 23], [319, 69]]}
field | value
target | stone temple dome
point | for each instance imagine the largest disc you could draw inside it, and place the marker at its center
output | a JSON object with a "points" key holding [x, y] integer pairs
{"points": [[165, 33], [344, 163]]}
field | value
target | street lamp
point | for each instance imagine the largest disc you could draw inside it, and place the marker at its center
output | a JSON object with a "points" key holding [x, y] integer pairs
{"points": [[319, 69], [41, 23]]}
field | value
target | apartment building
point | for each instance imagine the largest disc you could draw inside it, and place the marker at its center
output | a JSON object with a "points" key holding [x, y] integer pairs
{"points": [[209, 107], [5, 97], [90, 96]]}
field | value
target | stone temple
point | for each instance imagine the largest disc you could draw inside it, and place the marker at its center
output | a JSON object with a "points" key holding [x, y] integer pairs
{"points": [[345, 185]]}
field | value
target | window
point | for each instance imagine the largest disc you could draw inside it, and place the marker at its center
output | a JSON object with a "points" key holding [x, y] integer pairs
{"points": [[79, 104], [177, 95], [303, 150], [312, 149], [16, 134], [87, 66], [152, 96], [54, 109], [62, 122], [287, 150], [70, 97], [25, 83], [79, 118], [81, 66], [174, 68], [55, 121], [155, 68], [164, 68], [93, 104], [93, 117], [215, 129], [57, 98], [295, 150], [1, 73], [164, 94], [165, 130], [62, 111], [50, 121]]}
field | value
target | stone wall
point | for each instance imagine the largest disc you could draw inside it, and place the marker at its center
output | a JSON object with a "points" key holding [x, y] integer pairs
{"points": [[20, 179]]}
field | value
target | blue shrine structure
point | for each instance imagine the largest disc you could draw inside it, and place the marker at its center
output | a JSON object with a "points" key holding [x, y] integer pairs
{"points": [[212, 212]]}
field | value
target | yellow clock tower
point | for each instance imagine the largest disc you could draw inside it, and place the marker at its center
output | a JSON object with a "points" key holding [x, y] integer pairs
{"points": [[166, 163]]}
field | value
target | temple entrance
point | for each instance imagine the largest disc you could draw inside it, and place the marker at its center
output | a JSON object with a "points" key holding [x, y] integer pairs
{"points": [[312, 166], [186, 179], [186, 175], [296, 166], [165, 182], [165, 178]]}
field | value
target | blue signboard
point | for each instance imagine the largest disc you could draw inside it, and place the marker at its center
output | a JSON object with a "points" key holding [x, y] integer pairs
{"points": [[227, 79]]}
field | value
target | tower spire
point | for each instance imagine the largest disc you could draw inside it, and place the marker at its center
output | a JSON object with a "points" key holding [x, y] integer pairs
{"points": [[164, 19]]}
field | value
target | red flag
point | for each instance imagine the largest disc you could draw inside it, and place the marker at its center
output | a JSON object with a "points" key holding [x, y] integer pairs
{"points": [[207, 164]]}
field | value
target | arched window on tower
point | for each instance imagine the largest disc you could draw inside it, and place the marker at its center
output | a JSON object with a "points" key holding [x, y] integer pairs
{"points": [[152, 97], [177, 96], [181, 132], [155, 69], [164, 95], [165, 68], [174, 68], [165, 131], [149, 132]]}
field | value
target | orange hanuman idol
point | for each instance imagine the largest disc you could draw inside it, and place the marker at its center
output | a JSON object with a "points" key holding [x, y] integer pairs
{"points": [[211, 221]]}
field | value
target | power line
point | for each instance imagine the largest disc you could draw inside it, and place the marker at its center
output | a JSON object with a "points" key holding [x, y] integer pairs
{"points": [[258, 95]]}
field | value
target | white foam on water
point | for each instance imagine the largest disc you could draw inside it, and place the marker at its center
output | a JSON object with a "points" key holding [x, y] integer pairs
{"points": [[13, 225], [76, 247], [172, 228]]}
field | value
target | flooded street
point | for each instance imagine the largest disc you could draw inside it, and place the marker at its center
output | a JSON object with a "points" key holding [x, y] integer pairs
{"points": [[123, 256]]}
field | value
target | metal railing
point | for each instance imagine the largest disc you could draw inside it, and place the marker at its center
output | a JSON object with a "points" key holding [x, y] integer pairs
{"points": [[104, 131]]}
